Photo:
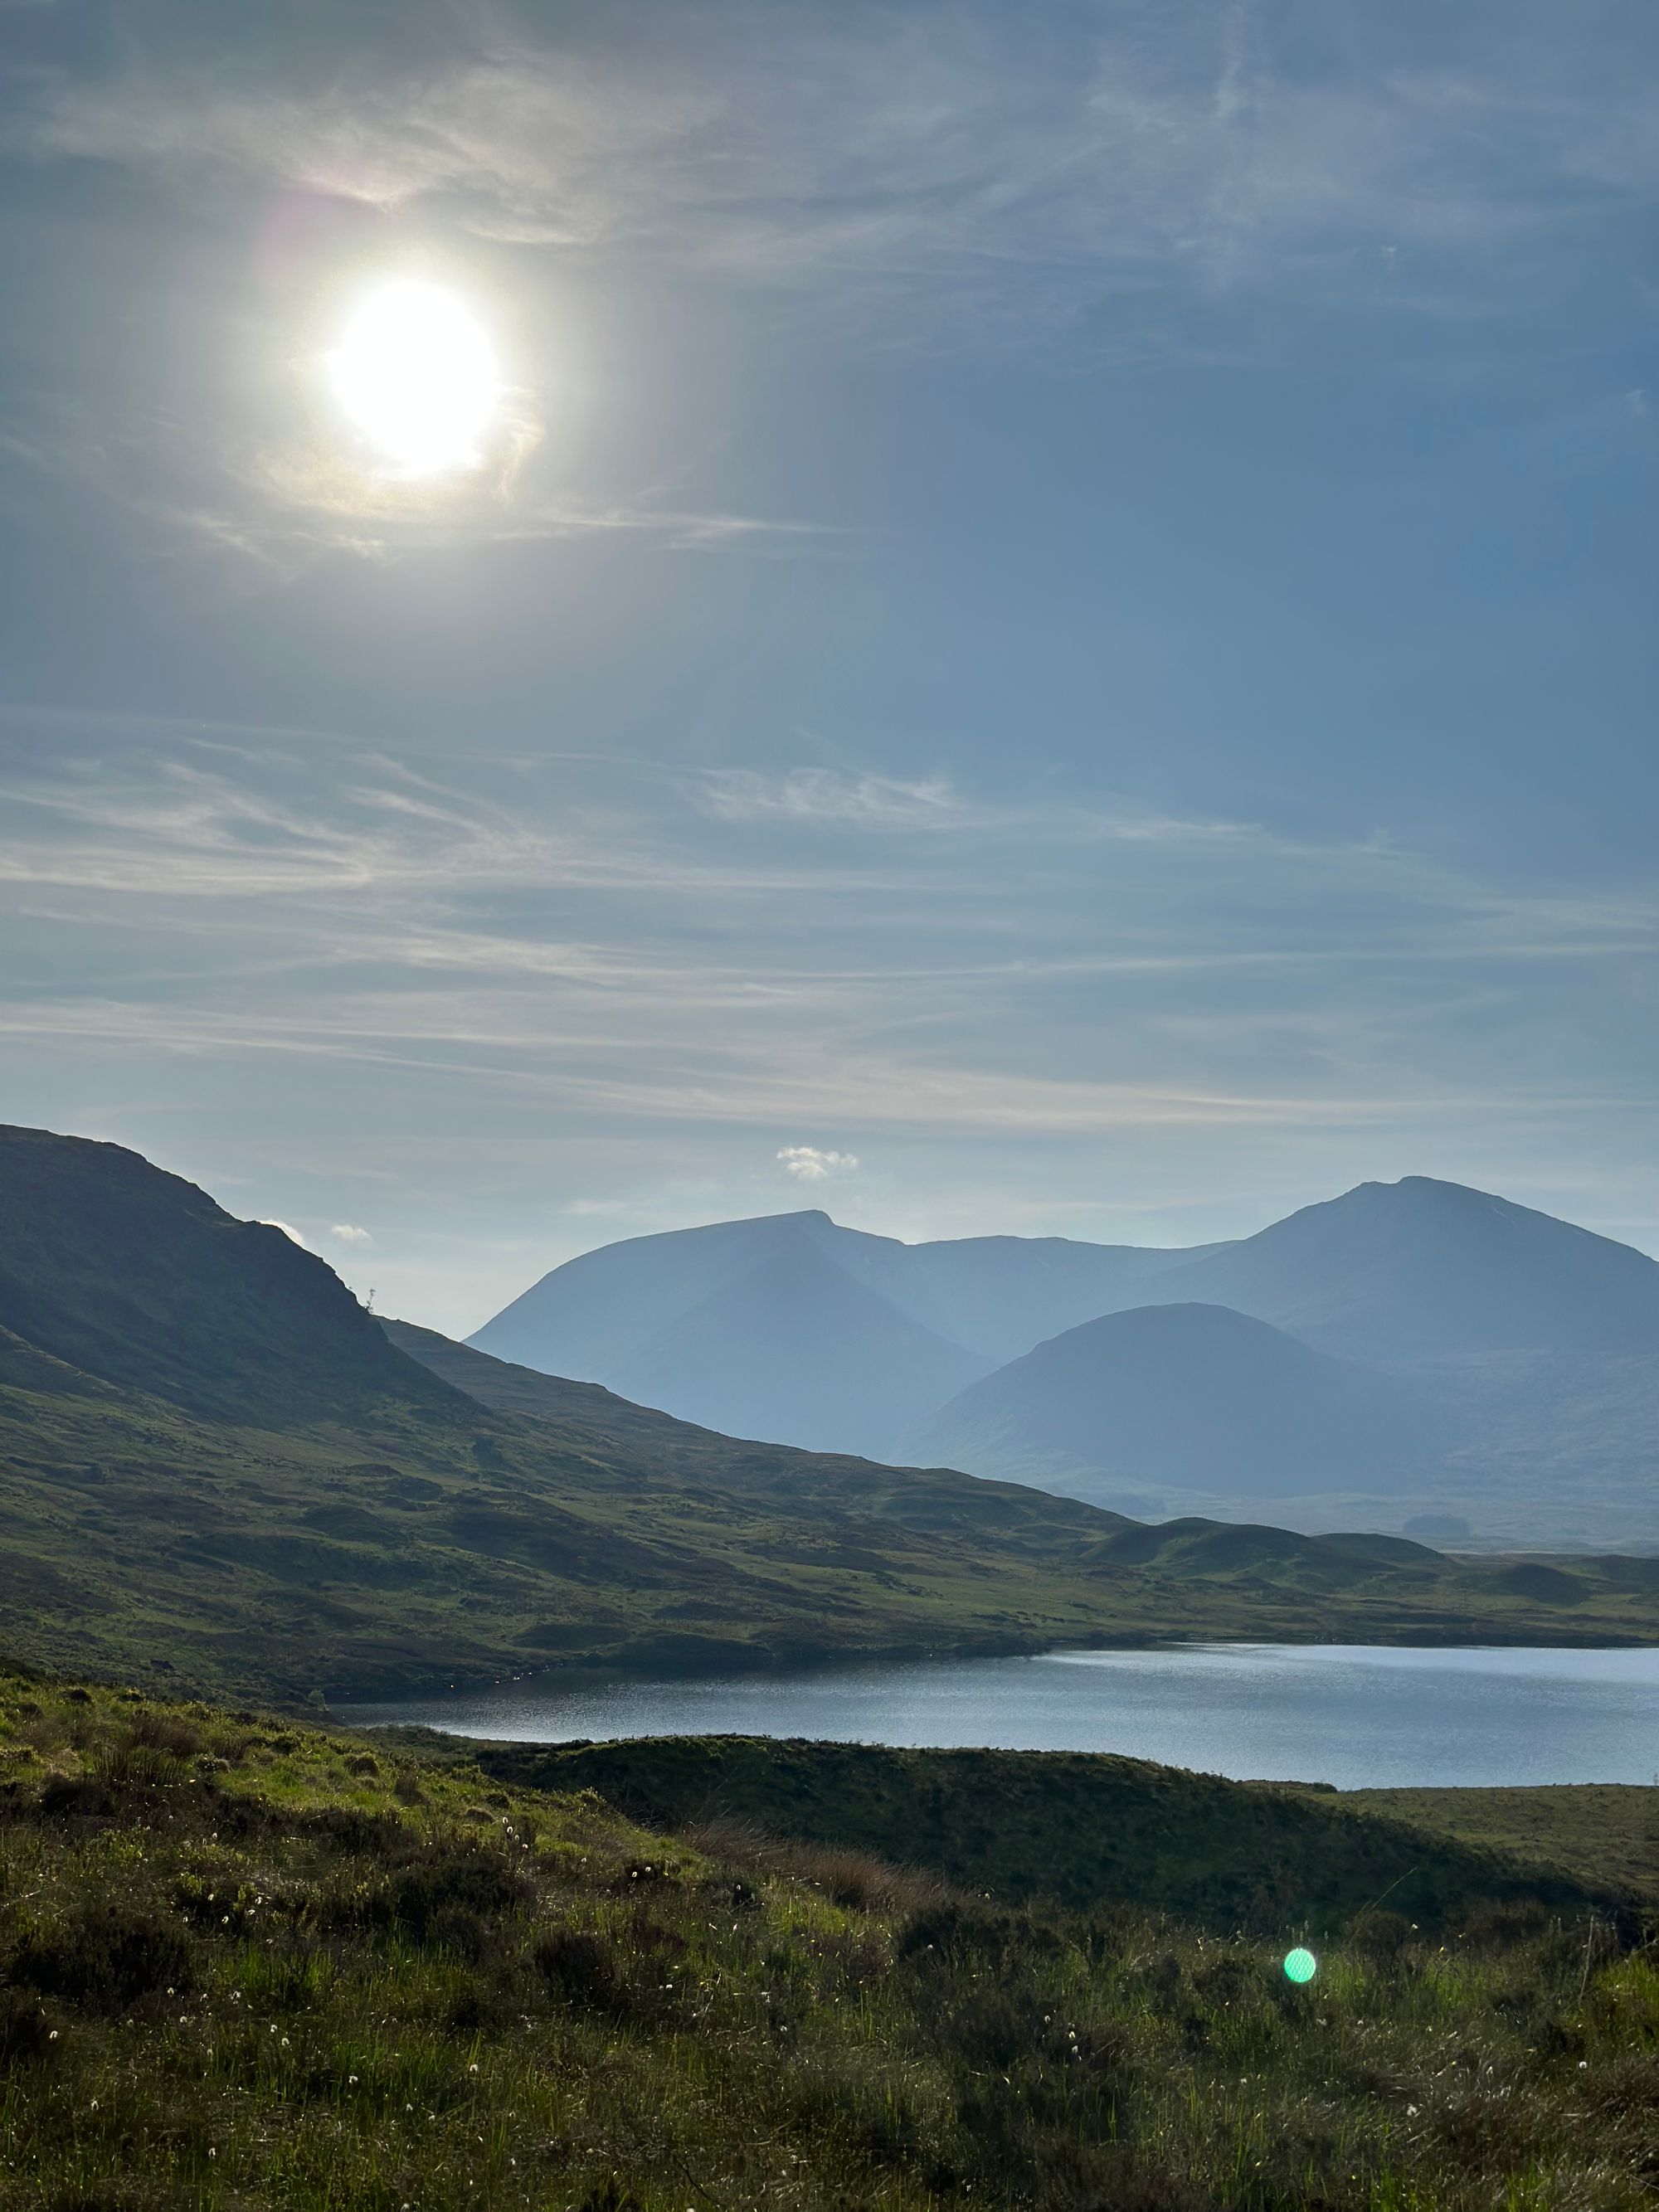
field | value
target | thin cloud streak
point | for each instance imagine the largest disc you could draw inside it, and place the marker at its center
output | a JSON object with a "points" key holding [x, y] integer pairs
{"points": [[282, 509], [746, 1092], [245, 824], [668, 1011], [942, 149]]}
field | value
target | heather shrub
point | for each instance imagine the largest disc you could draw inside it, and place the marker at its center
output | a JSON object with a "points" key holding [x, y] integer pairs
{"points": [[581, 1965], [104, 1957], [25, 2028], [169, 1732]]}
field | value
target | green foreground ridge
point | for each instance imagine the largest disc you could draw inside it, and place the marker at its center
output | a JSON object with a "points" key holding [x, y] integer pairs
{"points": [[246, 1962]]}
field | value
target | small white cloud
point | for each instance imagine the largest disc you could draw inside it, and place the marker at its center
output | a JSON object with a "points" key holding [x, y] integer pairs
{"points": [[346, 1232], [808, 1164]]}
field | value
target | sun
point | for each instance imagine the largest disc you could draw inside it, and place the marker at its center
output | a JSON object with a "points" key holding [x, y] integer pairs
{"points": [[416, 373]]}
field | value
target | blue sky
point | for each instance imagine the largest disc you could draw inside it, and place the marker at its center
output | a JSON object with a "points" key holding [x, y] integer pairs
{"points": [[1061, 641]]}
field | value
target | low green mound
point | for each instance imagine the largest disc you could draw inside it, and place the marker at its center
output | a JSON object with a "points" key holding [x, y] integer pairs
{"points": [[1078, 1829], [247, 1963]]}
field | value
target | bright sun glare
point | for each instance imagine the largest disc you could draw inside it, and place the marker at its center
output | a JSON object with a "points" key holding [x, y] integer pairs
{"points": [[415, 373]]}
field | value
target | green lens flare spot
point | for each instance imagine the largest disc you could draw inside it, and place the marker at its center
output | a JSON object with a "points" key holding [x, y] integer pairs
{"points": [[1300, 1966]]}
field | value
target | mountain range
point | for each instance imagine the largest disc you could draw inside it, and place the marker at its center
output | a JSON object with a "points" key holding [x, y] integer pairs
{"points": [[218, 1472], [1414, 1356]]}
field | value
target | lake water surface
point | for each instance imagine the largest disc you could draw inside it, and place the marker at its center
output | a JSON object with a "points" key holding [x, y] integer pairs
{"points": [[1354, 1715]]}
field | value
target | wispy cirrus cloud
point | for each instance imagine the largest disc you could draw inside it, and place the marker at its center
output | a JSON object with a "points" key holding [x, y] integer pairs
{"points": [[441, 875], [571, 960], [199, 819], [864, 799], [1117, 182], [821, 795], [1200, 149]]}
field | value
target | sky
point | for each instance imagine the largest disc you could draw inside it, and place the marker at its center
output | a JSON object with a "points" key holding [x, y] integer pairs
{"points": [[1053, 631]]}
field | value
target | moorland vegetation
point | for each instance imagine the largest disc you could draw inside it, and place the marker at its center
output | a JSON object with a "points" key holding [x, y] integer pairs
{"points": [[250, 1961]]}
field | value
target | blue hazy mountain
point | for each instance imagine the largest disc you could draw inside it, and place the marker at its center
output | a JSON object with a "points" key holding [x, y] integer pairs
{"points": [[1519, 1354], [791, 1328], [1419, 1269], [1196, 1399], [769, 1354]]}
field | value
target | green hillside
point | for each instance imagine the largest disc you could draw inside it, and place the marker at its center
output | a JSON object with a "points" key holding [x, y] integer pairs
{"points": [[1603, 1832], [1186, 1578], [216, 1471], [112, 1271], [1018, 1521], [1077, 1829], [246, 1963]]}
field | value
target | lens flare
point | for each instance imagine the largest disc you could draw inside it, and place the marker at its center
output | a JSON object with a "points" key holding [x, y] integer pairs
{"points": [[1300, 1966], [415, 373]]}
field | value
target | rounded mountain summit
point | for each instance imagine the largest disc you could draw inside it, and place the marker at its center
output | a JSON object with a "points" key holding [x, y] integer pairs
{"points": [[1425, 1346]]}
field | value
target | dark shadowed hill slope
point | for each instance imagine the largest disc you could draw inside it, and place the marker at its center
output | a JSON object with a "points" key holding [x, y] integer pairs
{"points": [[1196, 1397], [125, 1275]]}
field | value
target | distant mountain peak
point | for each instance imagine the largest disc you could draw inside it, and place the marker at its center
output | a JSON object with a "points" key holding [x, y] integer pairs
{"points": [[1423, 1269], [796, 1329], [1450, 1197]]}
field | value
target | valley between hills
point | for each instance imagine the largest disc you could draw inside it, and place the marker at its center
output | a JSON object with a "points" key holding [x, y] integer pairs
{"points": [[217, 1472]]}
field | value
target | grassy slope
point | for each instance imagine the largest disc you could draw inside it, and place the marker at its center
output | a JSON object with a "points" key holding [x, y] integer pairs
{"points": [[421, 1547], [1186, 1578], [290, 1503], [408, 1554], [1076, 1828], [1603, 1831], [243, 1962]]}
